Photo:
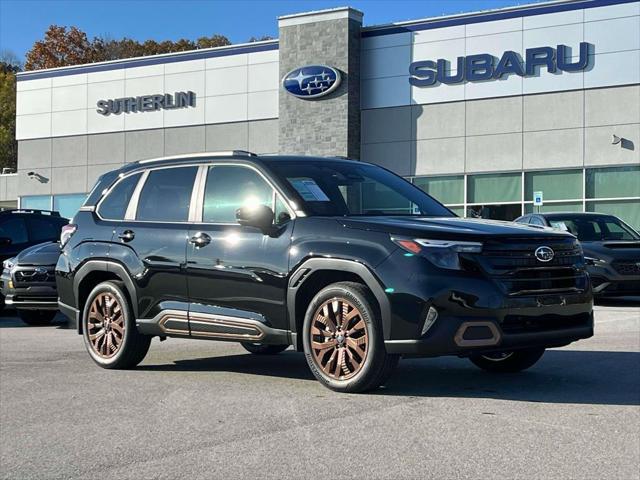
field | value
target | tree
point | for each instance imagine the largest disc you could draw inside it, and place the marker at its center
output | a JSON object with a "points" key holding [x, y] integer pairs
{"points": [[9, 66], [61, 47], [261, 39]]}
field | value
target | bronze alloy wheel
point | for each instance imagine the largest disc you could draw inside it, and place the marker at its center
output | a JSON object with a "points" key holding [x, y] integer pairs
{"points": [[105, 325], [339, 339]]}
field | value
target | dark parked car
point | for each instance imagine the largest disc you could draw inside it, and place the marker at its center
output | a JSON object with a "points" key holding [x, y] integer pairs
{"points": [[23, 228], [29, 284], [343, 260], [611, 248]]}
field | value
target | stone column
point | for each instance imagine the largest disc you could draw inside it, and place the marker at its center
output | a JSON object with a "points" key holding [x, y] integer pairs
{"points": [[328, 125]]}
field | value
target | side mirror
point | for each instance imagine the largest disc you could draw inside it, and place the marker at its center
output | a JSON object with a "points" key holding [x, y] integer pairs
{"points": [[5, 241], [258, 216]]}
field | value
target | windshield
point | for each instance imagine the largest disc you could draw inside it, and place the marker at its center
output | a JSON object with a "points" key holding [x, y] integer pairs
{"points": [[341, 188], [595, 229]]}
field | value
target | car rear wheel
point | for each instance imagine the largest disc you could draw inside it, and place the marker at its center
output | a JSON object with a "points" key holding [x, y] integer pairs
{"points": [[109, 328], [343, 341], [261, 349], [508, 362], [37, 318]]}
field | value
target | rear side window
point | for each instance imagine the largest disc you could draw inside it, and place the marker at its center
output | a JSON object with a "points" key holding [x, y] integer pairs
{"points": [[230, 187], [535, 221], [16, 230], [43, 229], [114, 206], [166, 195]]}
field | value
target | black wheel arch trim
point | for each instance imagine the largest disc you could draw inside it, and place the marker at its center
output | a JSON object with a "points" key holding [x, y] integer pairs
{"points": [[104, 266], [304, 271]]}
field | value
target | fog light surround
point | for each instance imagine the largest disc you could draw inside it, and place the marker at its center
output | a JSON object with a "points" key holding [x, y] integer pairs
{"points": [[430, 319]]}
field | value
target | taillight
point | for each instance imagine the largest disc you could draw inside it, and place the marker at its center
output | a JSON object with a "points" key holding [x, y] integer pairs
{"points": [[66, 233]]}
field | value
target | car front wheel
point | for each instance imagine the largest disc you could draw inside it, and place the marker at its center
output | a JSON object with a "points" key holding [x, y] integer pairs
{"points": [[109, 328], [508, 362], [343, 340]]}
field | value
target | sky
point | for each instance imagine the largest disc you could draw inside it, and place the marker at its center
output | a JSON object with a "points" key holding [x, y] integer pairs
{"points": [[22, 22]]}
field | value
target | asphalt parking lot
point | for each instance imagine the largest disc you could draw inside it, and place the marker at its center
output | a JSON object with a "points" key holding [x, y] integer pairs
{"points": [[198, 409]]}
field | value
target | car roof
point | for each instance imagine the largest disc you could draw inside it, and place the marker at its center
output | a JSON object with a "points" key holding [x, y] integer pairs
{"points": [[573, 214], [29, 212]]}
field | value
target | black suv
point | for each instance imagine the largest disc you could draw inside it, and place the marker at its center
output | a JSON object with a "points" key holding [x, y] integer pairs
{"points": [[341, 259], [24, 228]]}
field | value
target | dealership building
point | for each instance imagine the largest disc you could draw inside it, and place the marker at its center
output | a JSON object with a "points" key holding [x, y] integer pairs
{"points": [[480, 109]]}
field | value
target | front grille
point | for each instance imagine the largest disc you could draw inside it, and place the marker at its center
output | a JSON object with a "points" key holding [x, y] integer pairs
{"points": [[525, 324], [626, 267], [31, 275], [514, 267]]}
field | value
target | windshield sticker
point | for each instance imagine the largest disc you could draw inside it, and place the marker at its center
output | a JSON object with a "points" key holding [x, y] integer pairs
{"points": [[559, 226], [309, 189]]}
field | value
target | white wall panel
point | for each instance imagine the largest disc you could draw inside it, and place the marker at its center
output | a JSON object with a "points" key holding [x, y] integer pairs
{"points": [[186, 116], [186, 66], [33, 126], [613, 69], [511, 85], [263, 57], [552, 19], [570, 35], [383, 41], [497, 26], [224, 81], [73, 122], [550, 82], [106, 76], [438, 93], [385, 92], [73, 97], [262, 105], [33, 101], [97, 123], [143, 120], [104, 91], [146, 71], [226, 108], [614, 35], [183, 82], [437, 34], [24, 85], [385, 62], [496, 44], [226, 61], [611, 11], [134, 87], [448, 49], [65, 80], [263, 76]]}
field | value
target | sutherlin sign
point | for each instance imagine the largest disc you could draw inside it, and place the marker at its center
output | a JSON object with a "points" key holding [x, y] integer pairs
{"points": [[146, 103], [474, 68]]}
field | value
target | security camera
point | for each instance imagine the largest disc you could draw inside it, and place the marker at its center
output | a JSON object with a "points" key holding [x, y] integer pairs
{"points": [[31, 174], [615, 140]]}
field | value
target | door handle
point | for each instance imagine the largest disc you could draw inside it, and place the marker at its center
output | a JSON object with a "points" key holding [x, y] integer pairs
{"points": [[200, 239], [127, 236]]}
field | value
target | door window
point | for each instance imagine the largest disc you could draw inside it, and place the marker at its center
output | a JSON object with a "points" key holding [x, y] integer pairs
{"points": [[114, 206], [230, 187], [43, 229], [16, 230], [536, 221], [166, 195]]}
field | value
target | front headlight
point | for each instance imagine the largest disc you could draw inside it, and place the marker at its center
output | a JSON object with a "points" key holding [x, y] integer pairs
{"points": [[8, 263], [596, 262], [442, 253]]}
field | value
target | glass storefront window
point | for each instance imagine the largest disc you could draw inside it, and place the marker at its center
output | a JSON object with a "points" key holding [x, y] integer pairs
{"points": [[494, 188], [554, 207], [627, 210], [459, 211], [613, 182], [37, 202], [495, 212], [68, 205], [555, 184], [447, 189]]}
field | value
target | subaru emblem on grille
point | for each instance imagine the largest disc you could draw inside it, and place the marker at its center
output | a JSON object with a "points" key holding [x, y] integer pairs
{"points": [[544, 253], [41, 270]]}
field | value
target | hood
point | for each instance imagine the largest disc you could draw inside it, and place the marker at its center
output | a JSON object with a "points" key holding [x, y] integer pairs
{"points": [[43, 254], [610, 250], [450, 227]]}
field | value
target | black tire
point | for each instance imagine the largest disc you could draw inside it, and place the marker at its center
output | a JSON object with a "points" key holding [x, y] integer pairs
{"points": [[37, 318], [377, 365], [261, 349], [133, 346], [508, 362]]}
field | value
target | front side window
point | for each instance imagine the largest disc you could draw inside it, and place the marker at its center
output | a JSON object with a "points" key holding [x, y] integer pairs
{"points": [[43, 229], [595, 229], [229, 187], [114, 206], [166, 195], [345, 188]]}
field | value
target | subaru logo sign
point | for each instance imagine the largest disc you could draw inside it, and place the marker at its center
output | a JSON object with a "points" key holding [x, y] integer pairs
{"points": [[311, 81], [544, 254], [40, 270]]}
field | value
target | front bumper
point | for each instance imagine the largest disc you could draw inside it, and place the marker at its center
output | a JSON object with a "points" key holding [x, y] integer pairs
{"points": [[606, 281], [42, 296]]}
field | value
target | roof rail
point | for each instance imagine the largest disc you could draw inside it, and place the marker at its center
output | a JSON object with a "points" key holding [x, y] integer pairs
{"points": [[52, 213], [227, 153]]}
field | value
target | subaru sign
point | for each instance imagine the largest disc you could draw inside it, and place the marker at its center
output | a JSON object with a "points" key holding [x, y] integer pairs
{"points": [[473, 68], [311, 81]]}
